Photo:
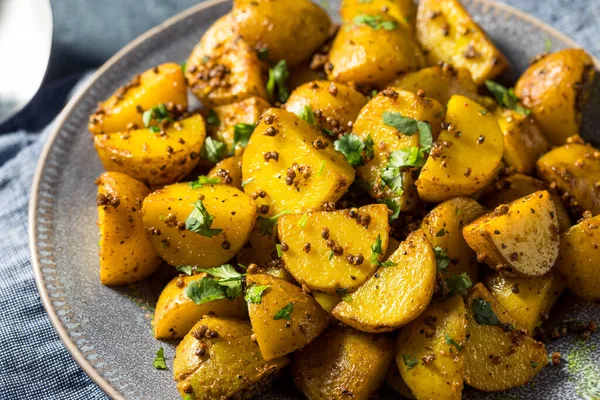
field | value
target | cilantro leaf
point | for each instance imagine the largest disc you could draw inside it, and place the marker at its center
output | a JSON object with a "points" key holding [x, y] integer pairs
{"points": [[351, 146], [441, 232], [303, 220], [407, 157], [159, 360], [377, 251], [308, 115], [393, 206], [254, 294], [279, 251], [278, 76], [214, 150], [441, 258], [321, 168], [233, 287], [392, 177], [241, 135], [204, 290], [533, 364], [375, 22], [266, 225], [483, 313], [224, 271], [212, 118], [405, 125], [203, 180], [409, 361], [247, 181], [459, 284], [451, 341], [285, 312], [185, 269], [184, 67], [158, 113], [347, 298], [369, 144], [425, 136], [199, 221], [506, 97]]}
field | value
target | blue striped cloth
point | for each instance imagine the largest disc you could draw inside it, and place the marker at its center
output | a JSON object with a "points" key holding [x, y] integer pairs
{"points": [[33, 362]]}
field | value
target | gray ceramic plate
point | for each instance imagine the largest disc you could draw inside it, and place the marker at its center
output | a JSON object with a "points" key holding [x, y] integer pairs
{"points": [[107, 330]]}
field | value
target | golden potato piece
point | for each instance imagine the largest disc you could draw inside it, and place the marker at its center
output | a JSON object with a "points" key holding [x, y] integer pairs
{"points": [[498, 356], [285, 319], [221, 31], [280, 26], [526, 300], [403, 11], [331, 252], [430, 351], [228, 171], [556, 89], [395, 295], [156, 158], [160, 85], [443, 227], [168, 218], [294, 174], [259, 249], [448, 33], [579, 258], [302, 74], [326, 301], [519, 238], [394, 379], [575, 171], [126, 253], [472, 159], [176, 313], [230, 363], [342, 363]]}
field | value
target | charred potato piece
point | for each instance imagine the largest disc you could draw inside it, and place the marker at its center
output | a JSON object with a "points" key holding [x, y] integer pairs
{"points": [[403, 11], [228, 171]]}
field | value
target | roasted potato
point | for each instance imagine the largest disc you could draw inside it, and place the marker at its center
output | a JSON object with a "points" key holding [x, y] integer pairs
{"points": [[342, 363], [335, 243], [287, 171], [283, 318], [394, 379], [575, 170], [155, 158], [556, 89], [179, 220], [403, 11], [260, 248], [326, 301], [302, 74], [126, 253], [448, 33], [163, 84], [498, 355], [396, 294], [430, 351], [579, 258], [224, 365], [228, 171], [526, 300], [467, 154], [280, 26], [176, 313], [505, 237]]}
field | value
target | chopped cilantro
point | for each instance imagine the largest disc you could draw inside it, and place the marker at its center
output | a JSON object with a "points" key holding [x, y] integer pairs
{"points": [[230, 279], [483, 312], [185, 269], [330, 255], [278, 76], [159, 360], [392, 177], [247, 181], [204, 290], [393, 206], [184, 67], [441, 232], [352, 147], [303, 220], [203, 180], [224, 271], [285, 312], [377, 251], [409, 361], [200, 221], [254, 294], [483, 111], [375, 22], [266, 225], [369, 143], [214, 150], [347, 298], [441, 258], [506, 97], [534, 364], [241, 135], [308, 115], [451, 341], [321, 168], [158, 113], [459, 284], [410, 126], [212, 118], [279, 252]]}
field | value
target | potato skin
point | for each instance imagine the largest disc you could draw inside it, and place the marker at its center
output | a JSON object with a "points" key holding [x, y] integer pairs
{"points": [[126, 253], [449, 34], [167, 207], [229, 171], [556, 89], [282, 25], [232, 364], [175, 313], [160, 85], [341, 363], [579, 257], [403, 11]]}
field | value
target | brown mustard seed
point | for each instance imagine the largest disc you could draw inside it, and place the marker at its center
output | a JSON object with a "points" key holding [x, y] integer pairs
{"points": [[271, 155], [353, 213], [270, 131], [201, 352], [515, 288], [480, 139], [325, 233], [225, 245], [333, 90], [290, 176], [556, 358], [365, 220], [268, 119], [330, 243], [338, 250], [252, 269], [263, 209], [467, 172], [200, 332], [496, 360], [359, 259], [306, 248], [284, 246], [320, 143]]}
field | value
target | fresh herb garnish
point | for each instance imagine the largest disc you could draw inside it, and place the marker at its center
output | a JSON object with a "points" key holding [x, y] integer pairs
{"points": [[441, 258], [214, 150], [330, 255], [247, 181], [377, 251], [254, 294], [278, 76], [534, 364], [279, 252], [308, 115], [506, 97], [451, 341], [375, 21], [393, 206], [230, 280], [347, 298], [158, 113], [303, 220], [459, 284], [185, 269], [225, 271], [159, 360], [483, 312], [285, 312], [409, 361], [212, 118], [392, 177], [204, 290], [441, 232], [352, 147], [410, 126], [321, 168], [266, 225], [184, 67], [200, 221], [241, 135], [203, 180]]}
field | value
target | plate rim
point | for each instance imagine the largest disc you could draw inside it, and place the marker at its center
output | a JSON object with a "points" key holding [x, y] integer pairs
{"points": [[78, 97]]}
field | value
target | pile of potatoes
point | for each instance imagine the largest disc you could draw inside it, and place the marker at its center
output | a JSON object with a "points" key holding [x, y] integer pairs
{"points": [[362, 202]]}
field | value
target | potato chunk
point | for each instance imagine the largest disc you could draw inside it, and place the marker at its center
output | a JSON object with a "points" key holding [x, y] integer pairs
{"points": [[230, 363], [342, 363], [526, 299], [448, 33], [403, 11], [282, 161], [395, 295], [126, 253], [498, 356], [285, 318], [470, 157], [331, 252], [156, 158], [430, 351], [169, 216], [228, 171], [575, 171], [221, 31], [519, 238], [326, 301], [160, 85], [579, 259], [394, 379], [176, 313], [556, 89]]}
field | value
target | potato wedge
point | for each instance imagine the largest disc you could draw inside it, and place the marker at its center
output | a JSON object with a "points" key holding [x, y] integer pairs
{"points": [[282, 161], [498, 356], [395, 295], [326, 301], [285, 319], [155, 158], [394, 379], [228, 171], [335, 105], [342, 363], [175, 313], [160, 85], [331, 252], [448, 33], [443, 227], [280, 26], [505, 237], [556, 89], [167, 218], [575, 170], [126, 253], [259, 249], [403, 11], [430, 351], [223, 30], [220, 367], [527, 300], [470, 158], [579, 257]]}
